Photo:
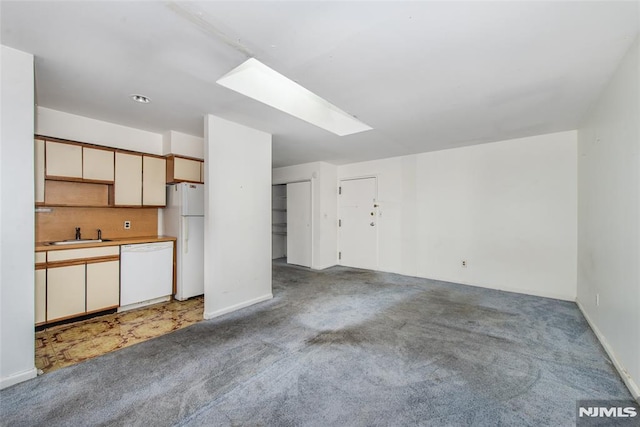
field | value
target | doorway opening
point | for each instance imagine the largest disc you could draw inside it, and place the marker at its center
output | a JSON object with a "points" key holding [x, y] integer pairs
{"points": [[291, 222], [279, 221]]}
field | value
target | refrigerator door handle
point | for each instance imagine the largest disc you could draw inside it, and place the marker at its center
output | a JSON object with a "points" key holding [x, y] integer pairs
{"points": [[185, 223]]}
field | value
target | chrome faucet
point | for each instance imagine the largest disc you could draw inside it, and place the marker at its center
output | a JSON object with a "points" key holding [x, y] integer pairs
{"points": [[99, 234], [78, 237]]}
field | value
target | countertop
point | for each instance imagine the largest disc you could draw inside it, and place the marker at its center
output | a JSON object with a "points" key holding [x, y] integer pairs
{"points": [[43, 246]]}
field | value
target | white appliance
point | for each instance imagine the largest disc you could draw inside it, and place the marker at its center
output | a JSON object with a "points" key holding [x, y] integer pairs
{"points": [[146, 274], [184, 218]]}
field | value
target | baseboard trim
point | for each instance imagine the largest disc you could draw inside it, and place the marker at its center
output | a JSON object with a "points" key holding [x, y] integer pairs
{"points": [[323, 267], [222, 311], [629, 382], [532, 292], [18, 378], [143, 303]]}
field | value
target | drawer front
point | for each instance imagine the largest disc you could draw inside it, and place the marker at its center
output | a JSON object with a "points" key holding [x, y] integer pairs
{"points": [[41, 257], [70, 254]]}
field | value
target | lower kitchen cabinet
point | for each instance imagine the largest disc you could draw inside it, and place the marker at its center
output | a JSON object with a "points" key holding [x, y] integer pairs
{"points": [[103, 285], [75, 282], [41, 295], [65, 291]]}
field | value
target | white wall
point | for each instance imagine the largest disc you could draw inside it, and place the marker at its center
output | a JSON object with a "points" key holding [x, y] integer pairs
{"points": [[397, 223], [326, 234], [324, 207], [609, 218], [507, 208], [237, 252], [16, 219], [182, 144], [58, 124]]}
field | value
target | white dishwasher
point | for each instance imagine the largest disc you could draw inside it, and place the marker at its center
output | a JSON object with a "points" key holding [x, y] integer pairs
{"points": [[146, 274]]}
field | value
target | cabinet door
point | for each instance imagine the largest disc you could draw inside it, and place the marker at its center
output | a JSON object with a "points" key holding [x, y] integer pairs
{"points": [[186, 170], [41, 295], [128, 180], [97, 164], [64, 160], [103, 285], [65, 291], [154, 191], [39, 170]]}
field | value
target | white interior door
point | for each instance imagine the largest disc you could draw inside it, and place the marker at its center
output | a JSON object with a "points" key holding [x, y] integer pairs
{"points": [[299, 223], [358, 223]]}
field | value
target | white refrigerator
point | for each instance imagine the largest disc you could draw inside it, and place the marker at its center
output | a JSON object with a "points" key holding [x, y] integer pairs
{"points": [[184, 218]]}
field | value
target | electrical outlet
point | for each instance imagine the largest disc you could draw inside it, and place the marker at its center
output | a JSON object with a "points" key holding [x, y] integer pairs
{"points": [[464, 263], [127, 225]]}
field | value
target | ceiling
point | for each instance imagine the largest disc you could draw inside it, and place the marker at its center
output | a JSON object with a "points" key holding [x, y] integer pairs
{"points": [[425, 75]]}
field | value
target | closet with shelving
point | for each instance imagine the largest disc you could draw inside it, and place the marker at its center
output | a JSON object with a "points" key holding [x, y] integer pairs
{"points": [[279, 221]]}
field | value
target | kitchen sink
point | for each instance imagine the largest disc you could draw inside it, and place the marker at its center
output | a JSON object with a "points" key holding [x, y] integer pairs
{"points": [[77, 241]]}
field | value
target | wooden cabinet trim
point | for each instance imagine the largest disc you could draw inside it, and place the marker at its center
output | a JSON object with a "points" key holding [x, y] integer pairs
{"points": [[83, 180], [103, 259], [60, 140], [157, 156], [184, 157], [99, 310], [55, 264], [83, 253], [90, 145], [65, 263], [107, 148]]}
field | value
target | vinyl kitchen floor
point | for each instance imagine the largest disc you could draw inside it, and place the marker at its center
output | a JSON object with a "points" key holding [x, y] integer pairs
{"points": [[65, 345]]}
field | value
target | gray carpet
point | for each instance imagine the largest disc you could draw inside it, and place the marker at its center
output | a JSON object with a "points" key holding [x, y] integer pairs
{"points": [[342, 347]]}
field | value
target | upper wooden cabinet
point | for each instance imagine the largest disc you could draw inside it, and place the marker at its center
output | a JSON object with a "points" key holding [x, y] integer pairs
{"points": [[63, 160], [97, 164], [76, 162], [139, 180], [153, 181], [128, 180], [181, 169], [69, 173]]}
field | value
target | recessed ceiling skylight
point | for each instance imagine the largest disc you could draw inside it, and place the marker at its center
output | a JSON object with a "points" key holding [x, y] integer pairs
{"points": [[254, 79]]}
